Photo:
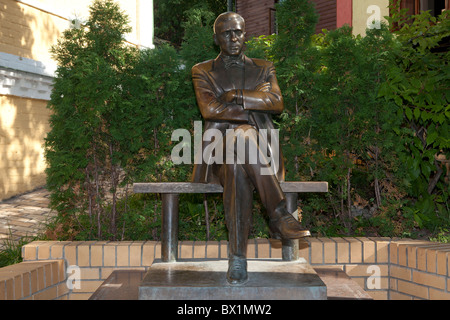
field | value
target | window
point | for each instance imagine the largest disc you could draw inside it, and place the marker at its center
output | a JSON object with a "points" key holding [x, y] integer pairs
{"points": [[434, 6], [273, 27]]}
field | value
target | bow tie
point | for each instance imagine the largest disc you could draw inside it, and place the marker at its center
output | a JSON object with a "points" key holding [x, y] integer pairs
{"points": [[231, 61]]}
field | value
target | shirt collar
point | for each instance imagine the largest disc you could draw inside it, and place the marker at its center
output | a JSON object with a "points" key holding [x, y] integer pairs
{"points": [[233, 61]]}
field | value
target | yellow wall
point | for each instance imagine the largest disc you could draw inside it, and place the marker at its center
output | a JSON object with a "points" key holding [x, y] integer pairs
{"points": [[28, 29], [28, 32], [25, 32], [23, 127], [360, 14]]}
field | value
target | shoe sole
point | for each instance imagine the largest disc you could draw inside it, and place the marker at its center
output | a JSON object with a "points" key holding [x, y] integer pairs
{"points": [[237, 282], [299, 235]]}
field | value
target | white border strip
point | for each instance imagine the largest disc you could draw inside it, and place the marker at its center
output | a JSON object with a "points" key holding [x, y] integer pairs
{"points": [[11, 61], [25, 84]]}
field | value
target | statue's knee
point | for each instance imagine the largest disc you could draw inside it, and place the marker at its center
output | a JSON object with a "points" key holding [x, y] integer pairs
{"points": [[245, 132], [244, 128]]}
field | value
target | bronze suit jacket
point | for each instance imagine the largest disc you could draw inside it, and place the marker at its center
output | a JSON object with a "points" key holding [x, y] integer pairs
{"points": [[211, 79]]}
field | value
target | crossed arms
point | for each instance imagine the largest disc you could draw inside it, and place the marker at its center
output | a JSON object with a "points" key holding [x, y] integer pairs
{"points": [[235, 105]]}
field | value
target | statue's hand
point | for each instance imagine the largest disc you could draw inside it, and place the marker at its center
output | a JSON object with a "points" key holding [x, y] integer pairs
{"points": [[264, 87], [228, 97]]}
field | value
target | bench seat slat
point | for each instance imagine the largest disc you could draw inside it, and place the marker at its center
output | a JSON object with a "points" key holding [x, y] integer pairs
{"points": [[192, 187]]}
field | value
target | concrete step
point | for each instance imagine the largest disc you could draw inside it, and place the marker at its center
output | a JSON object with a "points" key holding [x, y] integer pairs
{"points": [[124, 285]]}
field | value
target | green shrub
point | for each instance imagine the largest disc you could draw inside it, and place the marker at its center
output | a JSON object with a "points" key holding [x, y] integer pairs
{"points": [[367, 114], [418, 82], [114, 109], [11, 252]]}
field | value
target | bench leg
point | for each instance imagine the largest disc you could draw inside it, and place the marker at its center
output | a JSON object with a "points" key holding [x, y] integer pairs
{"points": [[169, 227], [290, 247]]}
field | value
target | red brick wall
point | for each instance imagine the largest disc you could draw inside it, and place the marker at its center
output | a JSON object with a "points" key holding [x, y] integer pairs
{"points": [[344, 9], [256, 14], [326, 9]]}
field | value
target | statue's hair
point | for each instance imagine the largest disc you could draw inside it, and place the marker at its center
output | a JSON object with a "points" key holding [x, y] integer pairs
{"points": [[227, 16]]}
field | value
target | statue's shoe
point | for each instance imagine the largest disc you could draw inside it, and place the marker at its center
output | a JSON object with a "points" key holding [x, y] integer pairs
{"points": [[237, 271], [287, 227]]}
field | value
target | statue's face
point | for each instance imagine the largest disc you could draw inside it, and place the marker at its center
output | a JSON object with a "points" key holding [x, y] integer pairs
{"points": [[230, 36]]}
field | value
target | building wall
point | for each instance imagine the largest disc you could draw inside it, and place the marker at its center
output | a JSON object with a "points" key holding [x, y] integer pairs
{"points": [[343, 12], [336, 13], [23, 127], [365, 11], [332, 14], [256, 14], [22, 29], [326, 10], [28, 29]]}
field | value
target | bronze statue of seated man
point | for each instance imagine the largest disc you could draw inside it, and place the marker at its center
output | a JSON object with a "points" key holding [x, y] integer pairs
{"points": [[237, 95]]}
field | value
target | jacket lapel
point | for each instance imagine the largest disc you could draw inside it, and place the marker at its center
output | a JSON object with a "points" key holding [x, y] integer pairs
{"points": [[254, 75], [217, 75]]}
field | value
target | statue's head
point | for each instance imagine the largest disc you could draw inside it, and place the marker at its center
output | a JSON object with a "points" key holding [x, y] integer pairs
{"points": [[229, 33]]}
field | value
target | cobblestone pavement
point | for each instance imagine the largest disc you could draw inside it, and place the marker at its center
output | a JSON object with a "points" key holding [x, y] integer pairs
{"points": [[24, 215]]}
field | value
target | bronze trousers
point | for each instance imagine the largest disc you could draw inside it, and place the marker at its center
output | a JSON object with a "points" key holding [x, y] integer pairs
{"points": [[239, 180]]}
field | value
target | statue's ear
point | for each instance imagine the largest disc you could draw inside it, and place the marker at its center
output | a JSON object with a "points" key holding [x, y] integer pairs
{"points": [[215, 39]]}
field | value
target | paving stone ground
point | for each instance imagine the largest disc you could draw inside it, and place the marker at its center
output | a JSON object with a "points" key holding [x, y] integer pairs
{"points": [[24, 216]]}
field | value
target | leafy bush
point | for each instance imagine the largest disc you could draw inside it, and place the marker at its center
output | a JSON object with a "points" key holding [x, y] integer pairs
{"points": [[11, 252], [85, 150], [114, 109], [367, 114], [335, 127], [418, 82], [358, 114], [170, 15]]}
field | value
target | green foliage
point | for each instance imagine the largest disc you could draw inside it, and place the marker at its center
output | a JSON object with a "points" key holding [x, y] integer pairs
{"points": [[11, 252], [260, 47], [114, 109], [367, 114], [349, 127], [198, 44], [159, 87], [443, 236], [171, 14], [335, 127], [84, 149], [293, 55], [418, 82]]}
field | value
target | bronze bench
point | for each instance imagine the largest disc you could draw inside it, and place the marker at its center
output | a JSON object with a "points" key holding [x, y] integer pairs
{"points": [[170, 195]]}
